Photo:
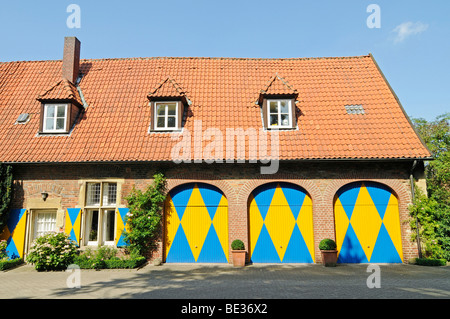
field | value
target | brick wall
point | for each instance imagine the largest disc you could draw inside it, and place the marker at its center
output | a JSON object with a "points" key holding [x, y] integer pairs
{"points": [[321, 180]]}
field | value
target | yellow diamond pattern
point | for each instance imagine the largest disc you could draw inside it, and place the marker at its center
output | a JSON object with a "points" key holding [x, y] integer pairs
{"points": [[196, 222], [305, 224], [366, 221], [280, 222]]}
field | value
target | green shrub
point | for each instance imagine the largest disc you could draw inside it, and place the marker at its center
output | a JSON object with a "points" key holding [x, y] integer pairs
{"points": [[327, 244], [105, 258], [53, 251], [430, 262], [7, 263], [145, 216], [237, 244], [3, 245], [125, 263]]}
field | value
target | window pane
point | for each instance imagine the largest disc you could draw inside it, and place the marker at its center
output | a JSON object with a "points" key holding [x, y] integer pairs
{"points": [[108, 230], [171, 121], [61, 111], [49, 124], [93, 194], [285, 120], [109, 193], [160, 122], [60, 123], [44, 223], [273, 120], [273, 107], [50, 111], [172, 109], [284, 106], [161, 109], [92, 225]]}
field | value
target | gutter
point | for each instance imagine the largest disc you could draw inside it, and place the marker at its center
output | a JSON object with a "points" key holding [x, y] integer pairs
{"points": [[413, 196]]}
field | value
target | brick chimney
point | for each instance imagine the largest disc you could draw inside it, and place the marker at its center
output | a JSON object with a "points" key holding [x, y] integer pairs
{"points": [[71, 59]]}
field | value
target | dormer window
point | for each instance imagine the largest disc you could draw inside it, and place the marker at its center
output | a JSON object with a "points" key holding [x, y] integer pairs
{"points": [[168, 103], [166, 115], [61, 104], [280, 113], [55, 118], [278, 104]]}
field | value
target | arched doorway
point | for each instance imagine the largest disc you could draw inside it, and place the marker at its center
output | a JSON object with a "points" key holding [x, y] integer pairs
{"points": [[367, 224], [196, 224], [281, 224]]}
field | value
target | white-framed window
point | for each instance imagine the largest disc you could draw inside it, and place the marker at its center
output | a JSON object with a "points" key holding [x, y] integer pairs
{"points": [[55, 118], [279, 113], [166, 116], [44, 222], [100, 213]]}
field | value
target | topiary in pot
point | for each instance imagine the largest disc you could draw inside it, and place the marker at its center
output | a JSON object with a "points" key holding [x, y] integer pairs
{"points": [[329, 253], [238, 252]]}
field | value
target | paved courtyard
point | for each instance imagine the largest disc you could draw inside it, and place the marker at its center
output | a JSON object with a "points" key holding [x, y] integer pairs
{"points": [[182, 281]]}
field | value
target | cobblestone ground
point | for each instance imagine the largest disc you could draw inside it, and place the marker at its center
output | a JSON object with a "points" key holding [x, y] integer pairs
{"points": [[225, 282]]}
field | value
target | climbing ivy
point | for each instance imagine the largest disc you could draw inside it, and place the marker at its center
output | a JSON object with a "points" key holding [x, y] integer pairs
{"points": [[6, 181], [144, 216]]}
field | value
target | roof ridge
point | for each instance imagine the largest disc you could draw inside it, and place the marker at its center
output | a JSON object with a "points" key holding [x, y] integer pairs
{"points": [[199, 58]]}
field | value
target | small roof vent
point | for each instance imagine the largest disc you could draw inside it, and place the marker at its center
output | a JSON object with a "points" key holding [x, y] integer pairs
{"points": [[23, 118], [355, 109]]}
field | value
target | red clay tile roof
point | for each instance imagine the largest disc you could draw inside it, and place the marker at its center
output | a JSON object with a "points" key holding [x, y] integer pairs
{"points": [[61, 90], [223, 91], [278, 86]]}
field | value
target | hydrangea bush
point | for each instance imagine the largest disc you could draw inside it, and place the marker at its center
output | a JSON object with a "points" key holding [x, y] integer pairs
{"points": [[53, 251]]}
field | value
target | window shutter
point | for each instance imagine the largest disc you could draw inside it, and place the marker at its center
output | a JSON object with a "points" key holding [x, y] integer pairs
{"points": [[73, 224], [121, 225], [14, 233], [152, 116], [294, 113], [180, 112], [264, 114]]}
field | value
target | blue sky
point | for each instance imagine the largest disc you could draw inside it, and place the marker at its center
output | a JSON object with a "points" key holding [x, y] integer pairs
{"points": [[412, 45]]}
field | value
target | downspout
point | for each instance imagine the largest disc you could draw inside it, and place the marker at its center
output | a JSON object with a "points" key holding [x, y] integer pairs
{"points": [[413, 195]]}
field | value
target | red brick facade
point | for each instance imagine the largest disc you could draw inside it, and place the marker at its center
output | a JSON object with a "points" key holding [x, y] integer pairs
{"points": [[320, 179]]}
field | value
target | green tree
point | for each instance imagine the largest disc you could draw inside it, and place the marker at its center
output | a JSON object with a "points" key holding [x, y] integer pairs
{"points": [[145, 215], [6, 182], [434, 214]]}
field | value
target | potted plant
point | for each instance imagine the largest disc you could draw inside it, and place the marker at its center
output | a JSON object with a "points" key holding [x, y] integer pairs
{"points": [[329, 253], [238, 253]]}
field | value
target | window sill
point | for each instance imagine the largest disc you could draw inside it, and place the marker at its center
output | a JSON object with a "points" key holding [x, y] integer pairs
{"points": [[281, 128], [65, 133], [176, 130]]}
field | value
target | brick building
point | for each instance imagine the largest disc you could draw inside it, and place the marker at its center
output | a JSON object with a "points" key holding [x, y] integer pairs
{"points": [[280, 153]]}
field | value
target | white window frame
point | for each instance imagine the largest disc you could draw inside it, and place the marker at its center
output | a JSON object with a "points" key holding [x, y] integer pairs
{"points": [[44, 123], [279, 113], [166, 116], [102, 207]]}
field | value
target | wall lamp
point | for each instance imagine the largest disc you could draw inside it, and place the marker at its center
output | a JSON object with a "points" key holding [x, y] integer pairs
{"points": [[44, 195]]}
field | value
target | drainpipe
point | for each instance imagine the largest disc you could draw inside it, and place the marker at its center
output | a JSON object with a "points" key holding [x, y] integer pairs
{"points": [[413, 195]]}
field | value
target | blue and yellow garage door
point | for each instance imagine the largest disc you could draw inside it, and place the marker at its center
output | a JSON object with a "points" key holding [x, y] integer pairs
{"points": [[281, 224], [196, 219], [367, 224]]}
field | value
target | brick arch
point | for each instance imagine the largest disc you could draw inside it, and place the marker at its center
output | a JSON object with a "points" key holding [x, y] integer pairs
{"points": [[175, 181], [36, 189], [309, 186], [399, 189]]}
